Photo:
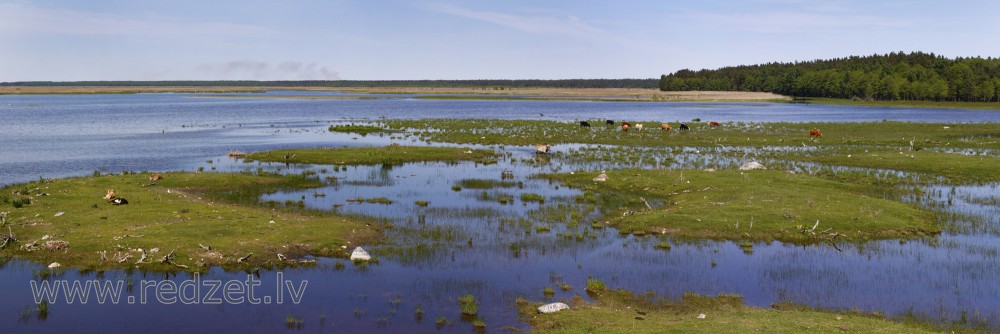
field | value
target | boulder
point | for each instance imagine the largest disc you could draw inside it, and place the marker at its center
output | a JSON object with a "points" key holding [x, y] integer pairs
{"points": [[360, 254], [54, 265], [752, 165], [552, 308]]}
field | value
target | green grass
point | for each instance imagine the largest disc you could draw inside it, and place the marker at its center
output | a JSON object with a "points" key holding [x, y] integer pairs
{"points": [[755, 205], [485, 184], [370, 155], [958, 168], [359, 129], [620, 311], [531, 197], [530, 132], [179, 213]]}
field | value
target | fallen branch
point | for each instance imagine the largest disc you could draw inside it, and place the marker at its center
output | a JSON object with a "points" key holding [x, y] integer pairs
{"points": [[125, 258], [206, 248], [142, 259], [240, 260]]}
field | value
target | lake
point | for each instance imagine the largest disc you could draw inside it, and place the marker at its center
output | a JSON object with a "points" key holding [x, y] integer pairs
{"points": [[465, 242]]}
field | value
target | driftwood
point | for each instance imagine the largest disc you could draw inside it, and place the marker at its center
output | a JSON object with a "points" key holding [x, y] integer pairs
{"points": [[206, 248], [125, 258], [142, 259], [240, 260], [647, 203], [281, 257]]}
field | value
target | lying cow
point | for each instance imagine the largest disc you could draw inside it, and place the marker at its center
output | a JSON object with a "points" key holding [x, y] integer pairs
{"points": [[714, 123]]}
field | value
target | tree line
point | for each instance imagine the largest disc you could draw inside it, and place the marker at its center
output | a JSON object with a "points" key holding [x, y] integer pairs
{"points": [[893, 76], [489, 84]]}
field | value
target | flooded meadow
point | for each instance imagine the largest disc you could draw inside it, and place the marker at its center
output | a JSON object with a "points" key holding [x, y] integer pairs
{"points": [[497, 229]]}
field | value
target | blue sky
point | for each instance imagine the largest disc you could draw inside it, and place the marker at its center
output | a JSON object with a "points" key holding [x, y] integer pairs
{"points": [[415, 39]]}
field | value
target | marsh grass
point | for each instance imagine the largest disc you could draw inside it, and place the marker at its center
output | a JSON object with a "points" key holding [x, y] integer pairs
{"points": [[737, 205], [370, 155], [363, 130], [621, 311], [180, 212], [469, 305], [486, 184]]}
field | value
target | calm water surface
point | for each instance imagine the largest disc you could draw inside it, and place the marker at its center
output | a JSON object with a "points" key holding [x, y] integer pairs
{"points": [[466, 241]]}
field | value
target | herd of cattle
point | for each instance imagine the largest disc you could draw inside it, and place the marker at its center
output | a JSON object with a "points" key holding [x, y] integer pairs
{"points": [[638, 126], [625, 126]]}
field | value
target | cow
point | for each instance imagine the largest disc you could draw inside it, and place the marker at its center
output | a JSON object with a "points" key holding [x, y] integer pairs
{"points": [[665, 126], [625, 126], [542, 148], [585, 124], [119, 201], [609, 122], [814, 133], [638, 126], [156, 177], [684, 127], [714, 123], [110, 195]]}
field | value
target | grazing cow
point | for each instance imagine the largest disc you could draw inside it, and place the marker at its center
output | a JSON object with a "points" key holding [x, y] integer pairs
{"points": [[110, 195], [585, 124], [119, 201], [625, 126], [814, 133], [638, 126], [714, 123], [684, 127], [609, 122], [542, 148], [665, 126], [156, 177]]}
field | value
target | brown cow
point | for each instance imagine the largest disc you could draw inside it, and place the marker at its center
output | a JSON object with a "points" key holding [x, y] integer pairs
{"points": [[665, 126], [714, 123], [814, 133], [110, 195], [626, 125], [543, 148], [156, 177]]}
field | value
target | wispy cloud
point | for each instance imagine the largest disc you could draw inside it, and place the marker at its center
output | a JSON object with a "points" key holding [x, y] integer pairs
{"points": [[781, 22], [18, 19], [258, 70], [570, 26]]}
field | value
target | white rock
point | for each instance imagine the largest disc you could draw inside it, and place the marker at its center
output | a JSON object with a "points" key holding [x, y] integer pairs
{"points": [[752, 165], [46, 237], [552, 308], [601, 177], [54, 265], [701, 316], [60, 213], [360, 255]]}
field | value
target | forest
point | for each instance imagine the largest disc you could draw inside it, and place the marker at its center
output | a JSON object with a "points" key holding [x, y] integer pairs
{"points": [[893, 76], [486, 83]]}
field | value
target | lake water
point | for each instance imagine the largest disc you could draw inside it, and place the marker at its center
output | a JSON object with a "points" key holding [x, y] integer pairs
{"points": [[465, 241]]}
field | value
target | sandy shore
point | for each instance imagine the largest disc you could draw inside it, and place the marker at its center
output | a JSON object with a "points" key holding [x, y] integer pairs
{"points": [[551, 93]]}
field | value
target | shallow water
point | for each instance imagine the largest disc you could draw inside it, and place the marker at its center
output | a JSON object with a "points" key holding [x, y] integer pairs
{"points": [[466, 241]]}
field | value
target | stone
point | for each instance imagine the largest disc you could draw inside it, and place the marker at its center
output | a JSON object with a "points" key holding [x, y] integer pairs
{"points": [[360, 254], [752, 165], [601, 177], [54, 265], [552, 307], [701, 316]]}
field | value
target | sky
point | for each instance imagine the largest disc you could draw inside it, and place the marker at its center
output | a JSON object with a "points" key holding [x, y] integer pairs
{"points": [[450, 39]]}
